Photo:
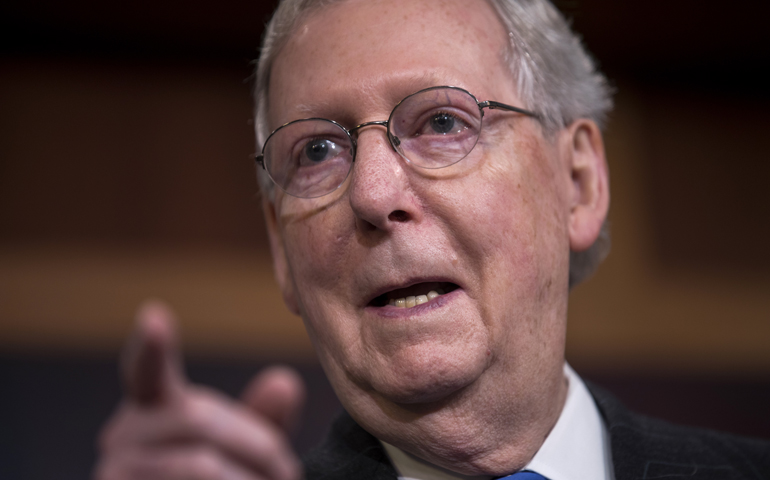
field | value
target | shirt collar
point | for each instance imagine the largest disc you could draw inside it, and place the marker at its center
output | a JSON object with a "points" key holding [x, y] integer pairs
{"points": [[576, 448], [578, 445]]}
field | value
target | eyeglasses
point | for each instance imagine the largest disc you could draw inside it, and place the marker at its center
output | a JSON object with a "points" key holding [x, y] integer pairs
{"points": [[433, 128]]}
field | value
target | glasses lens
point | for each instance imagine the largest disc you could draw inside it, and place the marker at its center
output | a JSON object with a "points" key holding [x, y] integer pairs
{"points": [[436, 127], [309, 158]]}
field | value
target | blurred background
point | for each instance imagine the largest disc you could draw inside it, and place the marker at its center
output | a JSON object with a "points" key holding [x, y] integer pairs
{"points": [[125, 136]]}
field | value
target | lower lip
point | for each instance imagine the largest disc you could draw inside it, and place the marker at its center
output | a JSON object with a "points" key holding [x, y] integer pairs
{"points": [[391, 311]]}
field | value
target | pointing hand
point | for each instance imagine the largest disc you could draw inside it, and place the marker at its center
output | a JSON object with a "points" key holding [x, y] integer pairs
{"points": [[167, 428]]}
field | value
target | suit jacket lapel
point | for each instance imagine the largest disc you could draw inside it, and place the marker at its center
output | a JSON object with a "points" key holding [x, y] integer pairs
{"points": [[645, 448], [348, 452]]}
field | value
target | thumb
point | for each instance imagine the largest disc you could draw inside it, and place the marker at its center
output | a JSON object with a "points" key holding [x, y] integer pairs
{"points": [[152, 369], [277, 393]]}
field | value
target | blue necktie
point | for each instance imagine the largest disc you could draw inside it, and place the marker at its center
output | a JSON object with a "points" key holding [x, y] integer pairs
{"points": [[524, 476]]}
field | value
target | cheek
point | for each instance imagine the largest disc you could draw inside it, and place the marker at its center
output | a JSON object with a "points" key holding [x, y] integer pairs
{"points": [[517, 214], [508, 237], [316, 249], [515, 227], [538, 205]]}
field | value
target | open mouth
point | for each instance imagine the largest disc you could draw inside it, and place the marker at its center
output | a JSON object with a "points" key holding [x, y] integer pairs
{"points": [[413, 295]]}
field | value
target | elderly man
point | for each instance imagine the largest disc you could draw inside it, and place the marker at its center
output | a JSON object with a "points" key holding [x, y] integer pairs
{"points": [[433, 184]]}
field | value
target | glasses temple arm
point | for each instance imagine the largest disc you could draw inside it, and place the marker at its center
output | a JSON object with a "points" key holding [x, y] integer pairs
{"points": [[492, 105]]}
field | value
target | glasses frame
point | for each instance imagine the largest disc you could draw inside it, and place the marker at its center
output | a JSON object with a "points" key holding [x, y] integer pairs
{"points": [[392, 140]]}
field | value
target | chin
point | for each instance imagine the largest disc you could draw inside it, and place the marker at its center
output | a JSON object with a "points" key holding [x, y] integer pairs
{"points": [[422, 377]]}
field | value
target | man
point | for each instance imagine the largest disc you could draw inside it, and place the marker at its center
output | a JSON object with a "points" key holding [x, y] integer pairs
{"points": [[434, 183]]}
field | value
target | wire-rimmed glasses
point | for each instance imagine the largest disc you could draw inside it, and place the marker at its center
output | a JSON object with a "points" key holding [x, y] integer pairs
{"points": [[433, 128]]}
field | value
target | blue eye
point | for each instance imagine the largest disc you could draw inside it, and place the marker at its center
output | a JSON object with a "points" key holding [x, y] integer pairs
{"points": [[317, 150], [314, 152], [442, 123]]}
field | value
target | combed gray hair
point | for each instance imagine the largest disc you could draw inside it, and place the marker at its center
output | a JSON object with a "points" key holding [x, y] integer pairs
{"points": [[555, 77]]}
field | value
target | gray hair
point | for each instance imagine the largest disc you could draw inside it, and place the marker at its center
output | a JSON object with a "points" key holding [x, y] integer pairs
{"points": [[555, 76]]}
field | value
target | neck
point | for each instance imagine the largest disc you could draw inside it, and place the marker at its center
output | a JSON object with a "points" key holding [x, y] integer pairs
{"points": [[471, 433]]}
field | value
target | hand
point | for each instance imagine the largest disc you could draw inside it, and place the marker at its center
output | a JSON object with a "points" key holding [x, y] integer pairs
{"points": [[169, 429]]}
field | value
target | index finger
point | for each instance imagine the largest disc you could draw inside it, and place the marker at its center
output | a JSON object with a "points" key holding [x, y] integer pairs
{"points": [[152, 369]]}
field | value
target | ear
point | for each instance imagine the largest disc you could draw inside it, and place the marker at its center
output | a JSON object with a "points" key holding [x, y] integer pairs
{"points": [[280, 262], [589, 186]]}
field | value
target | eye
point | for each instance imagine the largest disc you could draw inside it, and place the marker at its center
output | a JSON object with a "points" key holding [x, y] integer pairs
{"points": [[319, 150], [442, 123]]}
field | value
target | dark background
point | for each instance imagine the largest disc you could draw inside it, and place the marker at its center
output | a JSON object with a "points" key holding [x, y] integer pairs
{"points": [[108, 145]]}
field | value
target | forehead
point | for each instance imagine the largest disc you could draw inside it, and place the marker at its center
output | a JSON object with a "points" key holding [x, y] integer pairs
{"points": [[371, 53]]}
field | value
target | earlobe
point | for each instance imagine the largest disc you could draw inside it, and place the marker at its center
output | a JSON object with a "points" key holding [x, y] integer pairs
{"points": [[589, 191], [280, 262]]}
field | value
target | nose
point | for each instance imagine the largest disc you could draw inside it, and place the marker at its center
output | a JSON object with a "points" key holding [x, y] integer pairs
{"points": [[380, 193]]}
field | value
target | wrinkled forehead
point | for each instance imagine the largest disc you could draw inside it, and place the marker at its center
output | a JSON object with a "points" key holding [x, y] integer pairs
{"points": [[379, 51]]}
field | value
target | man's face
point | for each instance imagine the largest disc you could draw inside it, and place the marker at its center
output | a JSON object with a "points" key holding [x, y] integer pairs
{"points": [[492, 230]]}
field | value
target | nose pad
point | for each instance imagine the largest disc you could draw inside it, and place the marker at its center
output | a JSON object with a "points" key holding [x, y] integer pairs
{"points": [[395, 142], [355, 135], [375, 149]]}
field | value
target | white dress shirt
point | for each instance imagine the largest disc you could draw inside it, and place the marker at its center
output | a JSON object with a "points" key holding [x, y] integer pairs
{"points": [[577, 448]]}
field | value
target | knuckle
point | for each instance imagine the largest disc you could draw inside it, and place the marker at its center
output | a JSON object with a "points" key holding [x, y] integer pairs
{"points": [[188, 464], [206, 464], [277, 458], [197, 416]]}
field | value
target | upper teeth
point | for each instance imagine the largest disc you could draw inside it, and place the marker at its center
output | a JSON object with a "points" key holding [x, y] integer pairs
{"points": [[411, 301]]}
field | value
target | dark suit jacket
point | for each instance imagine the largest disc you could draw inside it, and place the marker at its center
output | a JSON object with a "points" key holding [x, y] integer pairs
{"points": [[642, 449]]}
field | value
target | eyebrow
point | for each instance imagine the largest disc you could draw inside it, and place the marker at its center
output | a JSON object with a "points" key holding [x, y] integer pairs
{"points": [[310, 108], [404, 87]]}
